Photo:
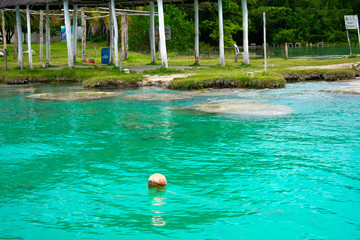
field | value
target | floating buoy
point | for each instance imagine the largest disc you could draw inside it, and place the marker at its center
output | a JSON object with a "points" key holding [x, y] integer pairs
{"points": [[157, 180]]}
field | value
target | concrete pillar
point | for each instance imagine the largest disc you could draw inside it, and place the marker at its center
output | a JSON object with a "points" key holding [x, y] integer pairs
{"points": [[152, 33], [29, 35], [4, 38], [221, 35], [15, 41], [162, 34], [48, 40], [245, 32], [68, 34], [20, 35], [196, 9], [116, 33]]}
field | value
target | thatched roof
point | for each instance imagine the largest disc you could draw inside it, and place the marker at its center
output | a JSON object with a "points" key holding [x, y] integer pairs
{"points": [[57, 4]]}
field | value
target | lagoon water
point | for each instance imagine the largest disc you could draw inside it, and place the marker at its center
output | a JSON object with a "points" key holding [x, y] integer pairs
{"points": [[79, 170]]}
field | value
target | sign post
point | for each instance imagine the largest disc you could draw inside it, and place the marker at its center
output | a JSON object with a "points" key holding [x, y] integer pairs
{"points": [[347, 33], [264, 15], [352, 22]]}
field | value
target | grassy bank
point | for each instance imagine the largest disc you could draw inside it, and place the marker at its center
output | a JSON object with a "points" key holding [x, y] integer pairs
{"points": [[319, 74], [228, 77], [85, 75], [208, 75]]}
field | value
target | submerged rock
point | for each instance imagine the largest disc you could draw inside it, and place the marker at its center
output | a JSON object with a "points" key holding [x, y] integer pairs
{"points": [[243, 107], [73, 96], [352, 88]]}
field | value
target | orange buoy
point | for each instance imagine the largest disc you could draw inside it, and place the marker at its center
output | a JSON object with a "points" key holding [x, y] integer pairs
{"points": [[157, 180]]}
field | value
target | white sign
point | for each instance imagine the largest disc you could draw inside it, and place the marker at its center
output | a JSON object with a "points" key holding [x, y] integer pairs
{"points": [[351, 22]]}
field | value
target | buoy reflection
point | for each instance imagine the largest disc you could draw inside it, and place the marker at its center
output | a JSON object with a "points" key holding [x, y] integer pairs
{"points": [[157, 202]]}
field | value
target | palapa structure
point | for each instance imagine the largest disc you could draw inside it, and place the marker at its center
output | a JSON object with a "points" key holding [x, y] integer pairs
{"points": [[114, 36]]}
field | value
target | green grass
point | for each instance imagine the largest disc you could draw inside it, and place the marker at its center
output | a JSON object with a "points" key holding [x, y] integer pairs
{"points": [[163, 71]]}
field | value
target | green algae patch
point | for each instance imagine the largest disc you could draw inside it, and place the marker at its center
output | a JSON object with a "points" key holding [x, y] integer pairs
{"points": [[219, 78], [319, 74], [73, 96]]}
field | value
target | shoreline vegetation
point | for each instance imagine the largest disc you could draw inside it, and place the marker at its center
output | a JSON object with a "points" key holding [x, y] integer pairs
{"points": [[208, 75]]}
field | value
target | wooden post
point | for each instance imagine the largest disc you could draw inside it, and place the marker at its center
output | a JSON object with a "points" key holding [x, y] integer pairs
{"points": [[47, 37], [41, 32], [116, 33], [347, 33], [95, 51], [245, 32], [162, 34], [221, 34], [19, 32], [83, 34], [152, 33], [264, 14], [286, 51], [75, 24], [4, 38], [121, 67], [15, 41], [68, 34], [123, 34], [196, 9], [29, 36], [126, 56], [111, 60], [358, 29]]}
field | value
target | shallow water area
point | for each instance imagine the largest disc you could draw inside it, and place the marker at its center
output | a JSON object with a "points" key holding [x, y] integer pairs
{"points": [[149, 95], [79, 169]]}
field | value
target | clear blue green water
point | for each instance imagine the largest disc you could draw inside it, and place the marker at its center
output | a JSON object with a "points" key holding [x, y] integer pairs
{"points": [[79, 170]]}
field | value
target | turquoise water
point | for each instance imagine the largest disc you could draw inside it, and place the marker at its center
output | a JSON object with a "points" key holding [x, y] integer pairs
{"points": [[79, 170]]}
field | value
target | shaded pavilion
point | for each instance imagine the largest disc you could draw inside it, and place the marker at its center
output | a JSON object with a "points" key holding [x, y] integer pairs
{"points": [[114, 36]]}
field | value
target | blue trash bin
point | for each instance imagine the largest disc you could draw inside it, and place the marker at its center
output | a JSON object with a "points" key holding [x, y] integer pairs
{"points": [[105, 55]]}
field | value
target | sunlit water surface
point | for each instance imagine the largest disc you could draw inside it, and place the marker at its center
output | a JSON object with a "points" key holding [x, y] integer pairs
{"points": [[79, 170]]}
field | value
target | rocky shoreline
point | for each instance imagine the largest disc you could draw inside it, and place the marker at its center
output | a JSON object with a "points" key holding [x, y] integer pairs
{"points": [[296, 74]]}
